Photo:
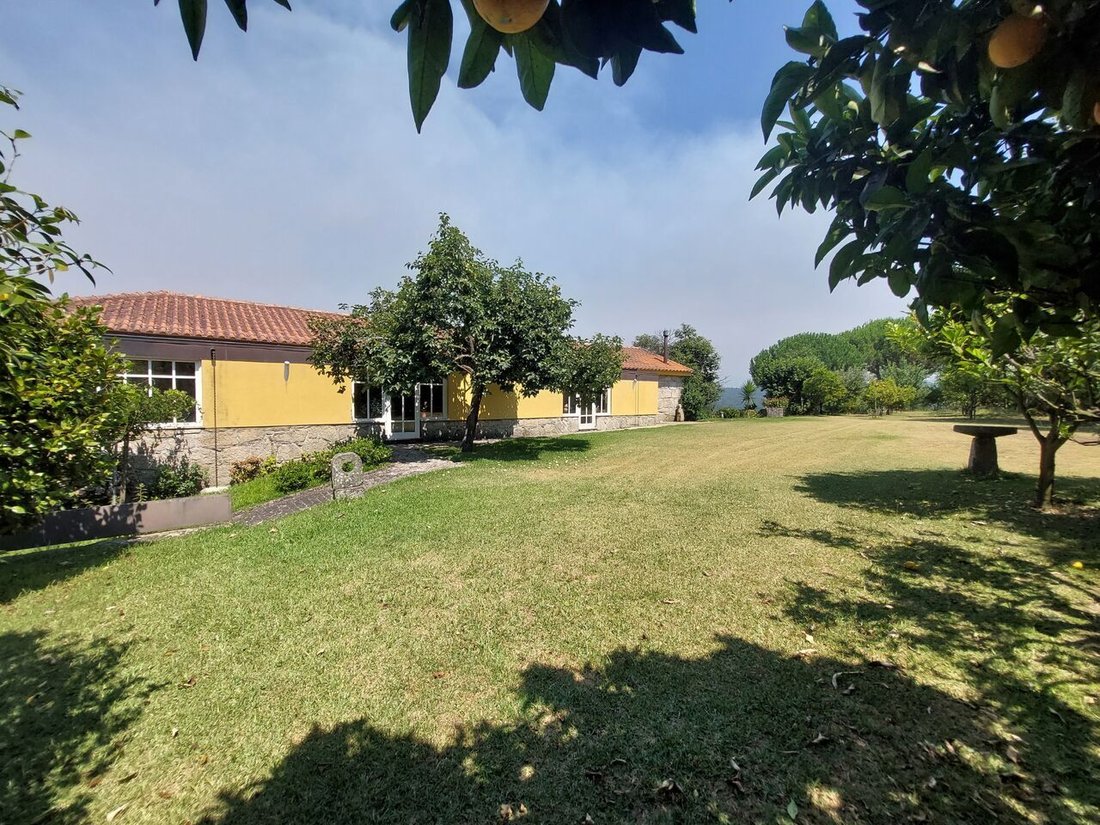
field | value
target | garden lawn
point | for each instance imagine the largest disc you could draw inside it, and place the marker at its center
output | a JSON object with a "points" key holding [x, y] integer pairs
{"points": [[747, 621]]}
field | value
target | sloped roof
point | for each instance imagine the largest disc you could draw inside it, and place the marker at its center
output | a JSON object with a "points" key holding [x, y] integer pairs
{"points": [[646, 361], [175, 315]]}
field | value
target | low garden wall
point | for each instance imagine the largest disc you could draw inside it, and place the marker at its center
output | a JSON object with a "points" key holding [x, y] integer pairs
{"points": [[113, 520]]}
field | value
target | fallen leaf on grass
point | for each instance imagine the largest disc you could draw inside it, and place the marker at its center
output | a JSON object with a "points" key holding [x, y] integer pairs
{"points": [[669, 789], [175, 732], [671, 601], [792, 810], [805, 653], [840, 673], [911, 565], [439, 674], [820, 739], [190, 681], [128, 777], [885, 665], [111, 816]]}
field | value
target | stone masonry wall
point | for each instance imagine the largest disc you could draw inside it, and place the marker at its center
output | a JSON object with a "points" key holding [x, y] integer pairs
{"points": [[669, 390], [285, 443]]}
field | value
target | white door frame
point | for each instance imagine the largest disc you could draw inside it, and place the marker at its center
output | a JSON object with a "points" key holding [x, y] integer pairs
{"points": [[389, 419]]}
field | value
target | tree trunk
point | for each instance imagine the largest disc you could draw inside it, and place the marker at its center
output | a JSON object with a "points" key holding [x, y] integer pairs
{"points": [[1048, 447], [471, 419], [123, 473]]}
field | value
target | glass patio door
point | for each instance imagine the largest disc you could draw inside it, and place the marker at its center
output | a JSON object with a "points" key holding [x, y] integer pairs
{"points": [[587, 417], [404, 422]]}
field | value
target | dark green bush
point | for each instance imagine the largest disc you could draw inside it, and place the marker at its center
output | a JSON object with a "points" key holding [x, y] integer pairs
{"points": [[294, 476], [249, 468], [372, 451], [177, 480], [731, 412]]}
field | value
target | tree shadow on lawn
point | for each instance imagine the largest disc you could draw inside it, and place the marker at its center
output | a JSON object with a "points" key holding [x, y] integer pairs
{"points": [[64, 710], [932, 494], [524, 449], [23, 571], [648, 737]]}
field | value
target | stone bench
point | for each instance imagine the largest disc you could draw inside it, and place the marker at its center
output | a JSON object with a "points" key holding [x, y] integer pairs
{"points": [[983, 447]]}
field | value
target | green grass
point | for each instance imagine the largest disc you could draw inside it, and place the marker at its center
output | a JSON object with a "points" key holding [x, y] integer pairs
{"points": [[256, 491], [704, 623]]}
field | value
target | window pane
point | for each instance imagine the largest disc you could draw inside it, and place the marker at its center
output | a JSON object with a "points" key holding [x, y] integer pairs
{"points": [[138, 367], [185, 367], [359, 400], [374, 410], [137, 380], [162, 383], [187, 387], [437, 399], [162, 368]]}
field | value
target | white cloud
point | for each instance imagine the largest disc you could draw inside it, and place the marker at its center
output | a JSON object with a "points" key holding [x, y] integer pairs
{"points": [[284, 167]]}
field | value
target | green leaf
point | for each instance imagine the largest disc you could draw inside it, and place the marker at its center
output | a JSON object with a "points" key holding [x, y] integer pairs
{"points": [[431, 25], [837, 232], [239, 10], [624, 62], [792, 810], [898, 280], [804, 41], [917, 176], [843, 262], [763, 181], [535, 69], [1005, 337], [401, 14], [819, 20], [787, 81], [640, 24], [680, 12], [886, 197], [19, 134], [193, 13], [480, 55]]}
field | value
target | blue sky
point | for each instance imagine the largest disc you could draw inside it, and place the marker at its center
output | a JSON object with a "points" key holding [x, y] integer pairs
{"points": [[284, 166]]}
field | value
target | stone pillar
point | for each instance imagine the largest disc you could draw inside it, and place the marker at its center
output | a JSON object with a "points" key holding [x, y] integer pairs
{"points": [[983, 456]]}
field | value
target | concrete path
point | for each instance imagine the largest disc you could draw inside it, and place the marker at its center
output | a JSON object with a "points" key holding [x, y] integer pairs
{"points": [[407, 461]]}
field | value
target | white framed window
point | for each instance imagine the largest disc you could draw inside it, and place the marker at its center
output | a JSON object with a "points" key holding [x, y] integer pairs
{"points": [[433, 400], [367, 402], [169, 375], [571, 404]]}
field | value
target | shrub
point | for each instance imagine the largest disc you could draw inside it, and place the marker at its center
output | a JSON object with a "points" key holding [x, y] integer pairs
{"points": [[731, 412], [249, 468], [178, 480], [371, 450], [294, 476]]}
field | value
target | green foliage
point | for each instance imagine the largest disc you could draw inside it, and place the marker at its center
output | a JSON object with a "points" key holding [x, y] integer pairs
{"points": [[296, 475], [883, 396], [1054, 379], [948, 176], [178, 480], [55, 426], [54, 370], [824, 392], [463, 312], [784, 376], [251, 468], [134, 411], [371, 451], [968, 392], [581, 34], [703, 387], [748, 392]]}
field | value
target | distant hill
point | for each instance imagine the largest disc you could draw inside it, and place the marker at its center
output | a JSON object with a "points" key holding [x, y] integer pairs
{"points": [[731, 397]]}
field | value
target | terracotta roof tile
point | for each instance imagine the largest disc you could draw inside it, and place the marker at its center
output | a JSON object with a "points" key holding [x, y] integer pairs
{"points": [[646, 361], [174, 315]]}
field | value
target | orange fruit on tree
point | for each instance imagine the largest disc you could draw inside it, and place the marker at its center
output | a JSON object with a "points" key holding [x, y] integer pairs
{"points": [[1096, 112], [511, 16], [1016, 40]]}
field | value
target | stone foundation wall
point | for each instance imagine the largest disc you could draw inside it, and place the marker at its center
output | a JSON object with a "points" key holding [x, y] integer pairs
{"points": [[669, 391], [285, 443], [238, 443]]}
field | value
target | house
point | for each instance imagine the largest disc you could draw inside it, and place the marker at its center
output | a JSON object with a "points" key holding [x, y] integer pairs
{"points": [[247, 366]]}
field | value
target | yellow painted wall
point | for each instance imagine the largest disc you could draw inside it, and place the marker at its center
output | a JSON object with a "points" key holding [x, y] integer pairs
{"points": [[253, 394], [630, 397]]}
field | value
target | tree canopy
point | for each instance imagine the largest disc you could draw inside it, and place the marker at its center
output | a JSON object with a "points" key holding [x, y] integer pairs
{"points": [[957, 171], [688, 346], [463, 312], [585, 35]]}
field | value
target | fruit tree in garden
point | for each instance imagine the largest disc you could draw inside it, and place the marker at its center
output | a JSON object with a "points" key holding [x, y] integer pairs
{"points": [[461, 312], [957, 145]]}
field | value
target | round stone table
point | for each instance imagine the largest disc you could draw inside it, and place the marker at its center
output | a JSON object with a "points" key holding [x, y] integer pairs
{"points": [[983, 449]]}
